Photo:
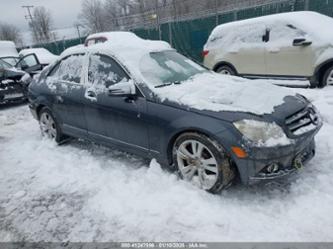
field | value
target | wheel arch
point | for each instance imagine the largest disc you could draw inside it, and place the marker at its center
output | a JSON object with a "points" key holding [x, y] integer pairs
{"points": [[174, 137], [321, 69], [39, 108], [224, 63]]}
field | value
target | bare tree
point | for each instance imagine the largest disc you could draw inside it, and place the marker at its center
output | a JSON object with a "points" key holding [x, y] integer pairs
{"points": [[11, 33], [112, 13], [92, 15], [41, 25]]}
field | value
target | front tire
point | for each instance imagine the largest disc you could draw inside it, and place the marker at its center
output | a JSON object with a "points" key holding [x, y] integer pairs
{"points": [[328, 77], [203, 162], [49, 126]]}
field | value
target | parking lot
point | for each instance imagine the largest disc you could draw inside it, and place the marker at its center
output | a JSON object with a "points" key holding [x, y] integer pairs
{"points": [[85, 192]]}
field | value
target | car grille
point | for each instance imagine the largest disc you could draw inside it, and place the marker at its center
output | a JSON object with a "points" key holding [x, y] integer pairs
{"points": [[304, 121]]}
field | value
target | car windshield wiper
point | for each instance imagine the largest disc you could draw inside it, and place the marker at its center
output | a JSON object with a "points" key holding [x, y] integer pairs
{"points": [[168, 84]]}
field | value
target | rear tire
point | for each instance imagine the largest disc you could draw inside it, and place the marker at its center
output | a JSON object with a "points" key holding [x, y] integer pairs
{"points": [[328, 77], [203, 162], [226, 70], [49, 126]]}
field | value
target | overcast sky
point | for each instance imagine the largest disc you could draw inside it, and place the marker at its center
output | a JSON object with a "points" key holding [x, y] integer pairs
{"points": [[64, 12]]}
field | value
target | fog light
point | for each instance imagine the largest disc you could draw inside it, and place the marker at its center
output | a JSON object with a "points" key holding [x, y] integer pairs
{"points": [[273, 168]]}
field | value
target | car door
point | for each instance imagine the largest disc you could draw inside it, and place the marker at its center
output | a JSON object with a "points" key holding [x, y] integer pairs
{"points": [[247, 49], [283, 58], [29, 64], [68, 93], [115, 120]]}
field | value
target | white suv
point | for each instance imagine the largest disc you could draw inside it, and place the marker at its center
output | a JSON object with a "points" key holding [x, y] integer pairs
{"points": [[296, 45]]}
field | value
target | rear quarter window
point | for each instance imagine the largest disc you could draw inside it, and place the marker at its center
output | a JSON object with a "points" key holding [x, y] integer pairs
{"points": [[69, 69], [237, 37]]}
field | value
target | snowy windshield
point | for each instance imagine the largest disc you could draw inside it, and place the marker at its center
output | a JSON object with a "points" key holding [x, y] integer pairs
{"points": [[10, 60], [168, 67], [4, 64]]}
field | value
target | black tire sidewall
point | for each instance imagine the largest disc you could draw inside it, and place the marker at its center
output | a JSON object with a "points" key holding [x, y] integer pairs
{"points": [[59, 136], [327, 73], [228, 68], [224, 166]]}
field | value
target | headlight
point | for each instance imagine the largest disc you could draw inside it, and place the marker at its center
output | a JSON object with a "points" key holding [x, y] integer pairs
{"points": [[262, 133]]}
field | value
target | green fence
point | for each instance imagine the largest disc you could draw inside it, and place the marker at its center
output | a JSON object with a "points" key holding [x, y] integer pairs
{"points": [[59, 46], [189, 37]]}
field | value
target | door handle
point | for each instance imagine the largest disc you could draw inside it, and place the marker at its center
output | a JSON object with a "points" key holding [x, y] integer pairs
{"points": [[59, 99], [91, 94], [274, 51]]}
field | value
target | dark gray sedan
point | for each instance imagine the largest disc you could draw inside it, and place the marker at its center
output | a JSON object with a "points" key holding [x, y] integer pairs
{"points": [[145, 98]]}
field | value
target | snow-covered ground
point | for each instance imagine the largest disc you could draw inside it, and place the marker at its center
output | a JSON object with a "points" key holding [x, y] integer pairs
{"points": [[84, 192]]}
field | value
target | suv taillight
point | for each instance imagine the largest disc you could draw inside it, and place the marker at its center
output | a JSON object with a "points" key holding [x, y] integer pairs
{"points": [[205, 53]]}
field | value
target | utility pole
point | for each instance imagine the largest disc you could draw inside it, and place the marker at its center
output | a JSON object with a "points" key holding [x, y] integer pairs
{"points": [[28, 8], [30, 18], [216, 13], [78, 31], [158, 19]]}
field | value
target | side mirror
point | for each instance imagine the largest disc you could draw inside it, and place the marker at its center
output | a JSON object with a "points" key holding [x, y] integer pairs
{"points": [[122, 89], [24, 67], [299, 42], [266, 36]]}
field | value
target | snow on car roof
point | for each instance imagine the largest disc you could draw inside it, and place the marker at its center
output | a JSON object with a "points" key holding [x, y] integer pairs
{"points": [[114, 36], [313, 23], [44, 56], [127, 48], [8, 48]]}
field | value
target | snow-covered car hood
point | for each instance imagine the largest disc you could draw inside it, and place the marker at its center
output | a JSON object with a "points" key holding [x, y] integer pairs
{"points": [[217, 93]]}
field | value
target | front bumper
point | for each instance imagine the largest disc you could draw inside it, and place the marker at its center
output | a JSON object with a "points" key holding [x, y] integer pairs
{"points": [[12, 92], [288, 165], [289, 159]]}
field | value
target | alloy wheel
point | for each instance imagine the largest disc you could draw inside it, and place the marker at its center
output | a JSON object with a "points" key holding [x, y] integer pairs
{"points": [[197, 164], [48, 125]]}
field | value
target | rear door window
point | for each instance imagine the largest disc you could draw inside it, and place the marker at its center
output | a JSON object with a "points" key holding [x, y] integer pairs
{"points": [[251, 34], [69, 69]]}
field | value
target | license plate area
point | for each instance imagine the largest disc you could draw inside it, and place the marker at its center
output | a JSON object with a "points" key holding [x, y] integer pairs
{"points": [[13, 96]]}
